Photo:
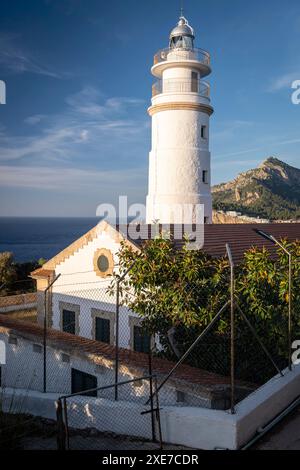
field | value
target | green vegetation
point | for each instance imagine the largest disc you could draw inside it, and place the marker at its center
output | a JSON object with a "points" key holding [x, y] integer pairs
{"points": [[182, 290], [14, 277], [271, 191]]}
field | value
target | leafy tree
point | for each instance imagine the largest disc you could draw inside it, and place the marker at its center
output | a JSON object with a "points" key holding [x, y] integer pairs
{"points": [[7, 268], [42, 261], [177, 293]]}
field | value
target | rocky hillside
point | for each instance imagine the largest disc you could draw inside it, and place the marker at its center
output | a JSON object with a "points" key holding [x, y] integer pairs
{"points": [[271, 191]]}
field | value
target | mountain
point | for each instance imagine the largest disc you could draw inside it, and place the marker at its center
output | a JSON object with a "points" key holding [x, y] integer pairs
{"points": [[271, 191]]}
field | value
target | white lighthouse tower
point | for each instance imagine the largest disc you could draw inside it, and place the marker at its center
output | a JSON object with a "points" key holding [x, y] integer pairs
{"points": [[179, 166]]}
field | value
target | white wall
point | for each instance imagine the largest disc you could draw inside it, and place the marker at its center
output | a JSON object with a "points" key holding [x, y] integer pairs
{"points": [[178, 153], [79, 284], [190, 426], [24, 370], [197, 428]]}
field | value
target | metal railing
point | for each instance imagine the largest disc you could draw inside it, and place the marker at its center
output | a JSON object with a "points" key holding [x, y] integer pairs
{"points": [[181, 86], [195, 54]]}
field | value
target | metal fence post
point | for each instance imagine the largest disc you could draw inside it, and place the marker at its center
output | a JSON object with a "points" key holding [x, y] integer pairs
{"points": [[118, 284], [151, 394], [45, 344], [61, 438], [232, 331], [45, 333], [290, 312], [117, 340], [158, 412], [66, 423]]}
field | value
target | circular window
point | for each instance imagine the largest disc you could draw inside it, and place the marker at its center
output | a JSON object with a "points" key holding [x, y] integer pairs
{"points": [[103, 262]]}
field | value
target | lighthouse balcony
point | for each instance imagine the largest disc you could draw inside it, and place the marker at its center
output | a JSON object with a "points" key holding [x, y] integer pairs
{"points": [[197, 58], [199, 87]]}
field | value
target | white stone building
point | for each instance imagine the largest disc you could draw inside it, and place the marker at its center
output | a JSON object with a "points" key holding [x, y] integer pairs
{"points": [[79, 302], [77, 364]]}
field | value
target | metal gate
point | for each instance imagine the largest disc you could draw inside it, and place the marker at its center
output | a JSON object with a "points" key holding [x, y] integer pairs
{"points": [[95, 420]]}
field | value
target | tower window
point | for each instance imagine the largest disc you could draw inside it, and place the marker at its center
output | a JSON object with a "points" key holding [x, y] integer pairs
{"points": [[205, 176], [194, 82], [203, 132]]}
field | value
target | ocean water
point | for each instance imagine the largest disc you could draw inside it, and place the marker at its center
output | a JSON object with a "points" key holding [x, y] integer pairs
{"points": [[32, 238]]}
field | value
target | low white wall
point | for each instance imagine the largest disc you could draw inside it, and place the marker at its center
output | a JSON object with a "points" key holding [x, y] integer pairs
{"points": [[198, 428], [109, 416], [15, 400], [193, 427], [259, 408]]}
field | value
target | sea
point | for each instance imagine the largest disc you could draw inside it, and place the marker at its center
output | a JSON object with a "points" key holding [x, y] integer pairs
{"points": [[30, 239]]}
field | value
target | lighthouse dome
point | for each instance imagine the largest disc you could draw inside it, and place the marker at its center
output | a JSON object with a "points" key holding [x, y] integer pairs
{"points": [[182, 36]]}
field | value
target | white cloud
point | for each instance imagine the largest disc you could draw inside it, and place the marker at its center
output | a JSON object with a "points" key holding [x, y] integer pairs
{"points": [[263, 148], [35, 119], [98, 124], [66, 179], [89, 101], [15, 59], [224, 164], [229, 129], [284, 81]]}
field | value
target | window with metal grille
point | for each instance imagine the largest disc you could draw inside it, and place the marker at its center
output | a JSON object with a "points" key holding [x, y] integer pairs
{"points": [[102, 330], [141, 340], [68, 322], [82, 381]]}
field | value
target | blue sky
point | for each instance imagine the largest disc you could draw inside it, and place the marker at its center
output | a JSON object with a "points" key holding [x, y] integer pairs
{"points": [[75, 133]]}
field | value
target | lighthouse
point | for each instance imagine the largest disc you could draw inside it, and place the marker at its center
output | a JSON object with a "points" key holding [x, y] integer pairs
{"points": [[179, 160]]}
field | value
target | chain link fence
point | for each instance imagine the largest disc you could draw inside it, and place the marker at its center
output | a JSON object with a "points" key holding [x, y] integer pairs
{"points": [[214, 363], [102, 423]]}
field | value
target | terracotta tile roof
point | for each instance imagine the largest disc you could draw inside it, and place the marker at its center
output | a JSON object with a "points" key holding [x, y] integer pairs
{"points": [[41, 272], [101, 353], [241, 237]]}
